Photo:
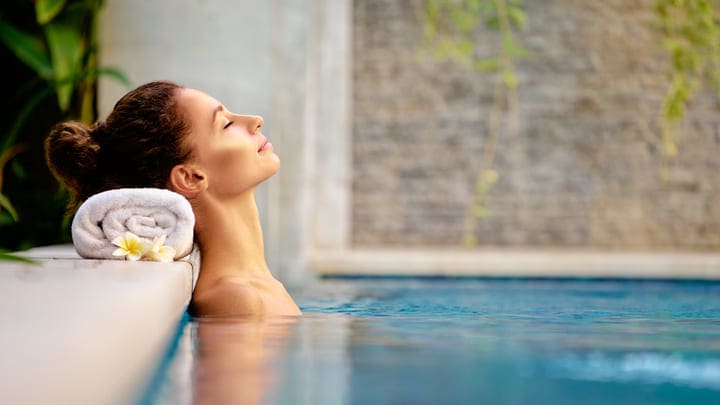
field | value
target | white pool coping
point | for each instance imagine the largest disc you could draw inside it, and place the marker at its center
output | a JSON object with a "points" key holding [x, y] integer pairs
{"points": [[547, 263], [81, 331]]}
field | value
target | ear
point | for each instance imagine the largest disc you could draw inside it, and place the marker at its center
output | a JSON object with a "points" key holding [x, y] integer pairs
{"points": [[188, 180]]}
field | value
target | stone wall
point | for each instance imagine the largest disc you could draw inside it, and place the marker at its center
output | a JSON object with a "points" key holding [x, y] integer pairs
{"points": [[582, 170]]}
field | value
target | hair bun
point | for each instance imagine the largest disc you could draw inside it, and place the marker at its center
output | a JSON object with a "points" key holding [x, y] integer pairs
{"points": [[72, 156]]}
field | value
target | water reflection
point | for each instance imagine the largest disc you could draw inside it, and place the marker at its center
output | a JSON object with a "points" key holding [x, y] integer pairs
{"points": [[234, 358]]}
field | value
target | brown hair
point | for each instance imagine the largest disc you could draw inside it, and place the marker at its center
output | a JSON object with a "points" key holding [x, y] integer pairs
{"points": [[136, 146]]}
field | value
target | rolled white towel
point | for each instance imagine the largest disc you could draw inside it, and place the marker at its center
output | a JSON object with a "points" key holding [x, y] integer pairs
{"points": [[148, 213]]}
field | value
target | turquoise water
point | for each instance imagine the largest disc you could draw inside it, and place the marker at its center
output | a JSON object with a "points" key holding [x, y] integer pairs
{"points": [[461, 341]]}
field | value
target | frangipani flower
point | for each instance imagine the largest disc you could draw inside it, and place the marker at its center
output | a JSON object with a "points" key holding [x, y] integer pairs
{"points": [[130, 246], [159, 252]]}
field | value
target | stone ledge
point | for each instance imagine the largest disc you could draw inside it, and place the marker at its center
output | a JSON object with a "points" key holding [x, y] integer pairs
{"points": [[517, 263], [86, 331]]}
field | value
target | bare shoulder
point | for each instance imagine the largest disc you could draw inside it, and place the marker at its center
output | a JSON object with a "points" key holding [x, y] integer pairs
{"points": [[228, 296]]}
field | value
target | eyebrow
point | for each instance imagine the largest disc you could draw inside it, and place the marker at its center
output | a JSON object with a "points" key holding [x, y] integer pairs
{"points": [[216, 111]]}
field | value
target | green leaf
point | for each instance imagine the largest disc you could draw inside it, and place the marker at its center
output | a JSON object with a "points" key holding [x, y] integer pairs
{"points": [[517, 17], [464, 48], [488, 7], [513, 48], [113, 73], [30, 50], [492, 21], [464, 21], [7, 205], [5, 255], [46, 10], [481, 212], [664, 175], [5, 219], [23, 116], [473, 7], [487, 64], [510, 78], [18, 170], [66, 50]]}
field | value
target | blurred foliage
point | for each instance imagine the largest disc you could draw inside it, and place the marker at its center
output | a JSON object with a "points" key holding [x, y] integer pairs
{"points": [[691, 35], [49, 64], [13, 257], [451, 29]]}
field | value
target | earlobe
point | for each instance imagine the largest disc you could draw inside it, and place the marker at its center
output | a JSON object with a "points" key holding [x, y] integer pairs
{"points": [[188, 180]]}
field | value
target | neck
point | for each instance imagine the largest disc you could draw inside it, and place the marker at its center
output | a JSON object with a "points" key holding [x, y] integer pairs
{"points": [[230, 237]]}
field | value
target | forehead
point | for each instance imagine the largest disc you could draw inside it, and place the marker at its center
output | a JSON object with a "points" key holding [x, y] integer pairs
{"points": [[198, 105]]}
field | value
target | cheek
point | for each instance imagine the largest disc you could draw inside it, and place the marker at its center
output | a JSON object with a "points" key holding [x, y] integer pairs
{"points": [[234, 165], [233, 161], [235, 168]]}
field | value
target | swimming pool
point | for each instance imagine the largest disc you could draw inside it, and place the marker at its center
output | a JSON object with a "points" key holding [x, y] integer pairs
{"points": [[460, 341]]}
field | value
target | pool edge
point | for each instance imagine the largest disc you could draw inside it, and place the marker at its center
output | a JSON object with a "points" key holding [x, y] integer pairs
{"points": [[516, 263], [87, 331]]}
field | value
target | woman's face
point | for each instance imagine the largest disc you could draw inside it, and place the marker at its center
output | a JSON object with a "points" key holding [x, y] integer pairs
{"points": [[229, 148]]}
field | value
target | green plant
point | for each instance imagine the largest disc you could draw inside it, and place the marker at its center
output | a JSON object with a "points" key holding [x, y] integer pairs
{"points": [[11, 257], [690, 32], [450, 31], [54, 45]]}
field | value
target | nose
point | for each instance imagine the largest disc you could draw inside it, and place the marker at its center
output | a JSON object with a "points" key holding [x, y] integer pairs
{"points": [[253, 123]]}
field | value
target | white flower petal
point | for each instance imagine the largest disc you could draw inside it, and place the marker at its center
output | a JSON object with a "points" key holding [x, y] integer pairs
{"points": [[161, 253], [119, 252], [134, 256], [131, 237], [119, 241]]}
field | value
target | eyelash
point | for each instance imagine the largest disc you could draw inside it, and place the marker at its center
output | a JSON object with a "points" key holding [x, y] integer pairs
{"points": [[228, 124]]}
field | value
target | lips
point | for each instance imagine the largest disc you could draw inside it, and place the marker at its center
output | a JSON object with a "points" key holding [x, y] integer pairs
{"points": [[264, 145]]}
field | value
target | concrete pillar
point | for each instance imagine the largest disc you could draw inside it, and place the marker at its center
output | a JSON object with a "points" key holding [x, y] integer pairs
{"points": [[329, 126]]}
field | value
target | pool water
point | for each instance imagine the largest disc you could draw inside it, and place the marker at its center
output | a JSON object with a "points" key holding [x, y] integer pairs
{"points": [[460, 341]]}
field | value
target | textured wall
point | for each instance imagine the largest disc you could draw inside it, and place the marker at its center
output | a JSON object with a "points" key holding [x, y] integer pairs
{"points": [[583, 168]]}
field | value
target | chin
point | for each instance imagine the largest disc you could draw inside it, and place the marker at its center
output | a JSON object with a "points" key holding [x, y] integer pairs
{"points": [[271, 172], [277, 164], [277, 169]]}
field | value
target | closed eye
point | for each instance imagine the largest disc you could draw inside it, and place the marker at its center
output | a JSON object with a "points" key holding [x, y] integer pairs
{"points": [[228, 125]]}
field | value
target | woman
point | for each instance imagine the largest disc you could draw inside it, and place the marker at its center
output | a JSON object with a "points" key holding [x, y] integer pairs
{"points": [[164, 135]]}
